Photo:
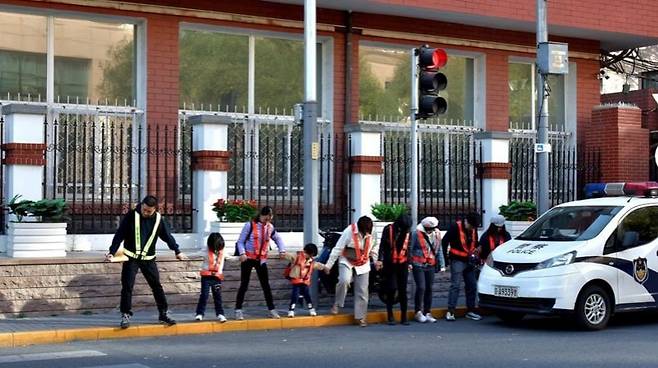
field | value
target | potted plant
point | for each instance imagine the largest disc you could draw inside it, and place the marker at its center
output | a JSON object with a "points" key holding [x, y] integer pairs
{"points": [[231, 217], [386, 214], [519, 215], [39, 228]]}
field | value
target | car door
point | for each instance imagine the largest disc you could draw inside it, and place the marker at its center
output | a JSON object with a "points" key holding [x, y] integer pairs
{"points": [[636, 242]]}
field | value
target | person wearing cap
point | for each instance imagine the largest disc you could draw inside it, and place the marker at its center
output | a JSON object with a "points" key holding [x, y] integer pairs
{"points": [[426, 255], [460, 243], [394, 256], [495, 235]]}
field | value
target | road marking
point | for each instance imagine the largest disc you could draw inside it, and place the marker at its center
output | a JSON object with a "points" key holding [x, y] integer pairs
{"points": [[50, 356]]}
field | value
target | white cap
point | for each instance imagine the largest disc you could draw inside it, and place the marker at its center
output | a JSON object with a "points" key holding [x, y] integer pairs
{"points": [[430, 222], [498, 220]]}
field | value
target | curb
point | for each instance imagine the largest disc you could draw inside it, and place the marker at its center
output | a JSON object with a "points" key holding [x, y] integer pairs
{"points": [[43, 337]]}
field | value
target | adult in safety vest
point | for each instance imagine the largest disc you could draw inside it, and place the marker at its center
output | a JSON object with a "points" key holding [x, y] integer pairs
{"points": [[139, 230], [461, 243], [253, 247], [393, 254], [354, 250], [495, 236]]}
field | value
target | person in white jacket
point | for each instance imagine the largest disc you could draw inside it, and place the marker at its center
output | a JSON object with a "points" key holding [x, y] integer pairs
{"points": [[354, 250]]}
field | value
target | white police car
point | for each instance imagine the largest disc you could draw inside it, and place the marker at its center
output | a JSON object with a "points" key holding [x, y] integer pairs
{"points": [[588, 259]]}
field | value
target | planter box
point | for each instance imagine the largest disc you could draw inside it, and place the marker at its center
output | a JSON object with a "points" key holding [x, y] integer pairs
{"points": [[36, 240], [515, 228], [230, 232]]}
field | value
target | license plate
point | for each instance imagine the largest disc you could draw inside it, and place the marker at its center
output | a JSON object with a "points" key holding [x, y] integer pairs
{"points": [[506, 291]]}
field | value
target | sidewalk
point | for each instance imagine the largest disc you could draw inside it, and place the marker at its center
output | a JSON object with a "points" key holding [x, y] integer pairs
{"points": [[16, 332]]}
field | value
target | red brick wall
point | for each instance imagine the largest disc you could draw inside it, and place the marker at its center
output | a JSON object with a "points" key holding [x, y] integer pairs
{"points": [[612, 130], [641, 98]]}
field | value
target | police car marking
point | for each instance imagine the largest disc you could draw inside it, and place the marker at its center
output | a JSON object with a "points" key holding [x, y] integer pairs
{"points": [[650, 282]]}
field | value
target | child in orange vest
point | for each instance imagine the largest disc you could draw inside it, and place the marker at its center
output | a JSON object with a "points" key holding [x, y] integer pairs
{"points": [[299, 273], [211, 277]]}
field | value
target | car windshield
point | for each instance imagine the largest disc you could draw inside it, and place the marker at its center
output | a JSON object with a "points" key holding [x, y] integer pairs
{"points": [[570, 223]]}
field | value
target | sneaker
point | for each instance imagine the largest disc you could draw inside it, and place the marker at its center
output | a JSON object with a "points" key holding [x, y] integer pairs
{"points": [[450, 316], [334, 309], [474, 316], [239, 315], [291, 313], [420, 318], [363, 323], [199, 317], [125, 320], [164, 318], [430, 318], [274, 314], [312, 312], [221, 318]]}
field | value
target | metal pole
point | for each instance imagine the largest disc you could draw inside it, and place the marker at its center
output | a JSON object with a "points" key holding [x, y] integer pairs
{"points": [[413, 198], [542, 120], [311, 145]]}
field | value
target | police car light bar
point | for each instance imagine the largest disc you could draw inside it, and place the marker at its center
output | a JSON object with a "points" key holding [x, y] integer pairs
{"points": [[647, 189]]}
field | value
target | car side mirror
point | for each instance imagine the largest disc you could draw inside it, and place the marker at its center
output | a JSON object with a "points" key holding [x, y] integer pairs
{"points": [[631, 239]]}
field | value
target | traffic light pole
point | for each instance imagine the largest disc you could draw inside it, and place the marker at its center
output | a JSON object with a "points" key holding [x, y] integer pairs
{"points": [[542, 121], [310, 136], [413, 198]]}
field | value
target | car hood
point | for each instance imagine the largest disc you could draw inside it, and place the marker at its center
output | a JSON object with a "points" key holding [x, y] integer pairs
{"points": [[530, 251]]}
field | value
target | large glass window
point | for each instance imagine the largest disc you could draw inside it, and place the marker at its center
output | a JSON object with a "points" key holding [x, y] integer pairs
{"points": [[523, 105], [93, 62], [22, 56], [570, 223], [385, 88], [279, 74]]}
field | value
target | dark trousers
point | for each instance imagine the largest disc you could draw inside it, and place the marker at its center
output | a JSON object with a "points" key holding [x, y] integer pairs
{"points": [[263, 277], [209, 283], [395, 278], [458, 270], [150, 271], [300, 289], [424, 279]]}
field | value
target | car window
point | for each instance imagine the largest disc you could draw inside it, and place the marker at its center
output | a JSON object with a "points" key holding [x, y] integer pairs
{"points": [[570, 223], [638, 228]]}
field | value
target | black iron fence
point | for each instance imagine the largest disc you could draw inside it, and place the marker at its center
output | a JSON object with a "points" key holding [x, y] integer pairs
{"points": [[102, 164], [569, 170], [447, 186], [267, 165]]}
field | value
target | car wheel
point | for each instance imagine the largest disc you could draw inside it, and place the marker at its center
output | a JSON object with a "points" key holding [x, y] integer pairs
{"points": [[510, 317], [593, 308]]}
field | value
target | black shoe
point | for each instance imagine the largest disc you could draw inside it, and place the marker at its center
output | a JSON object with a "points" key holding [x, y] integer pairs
{"points": [[391, 322], [404, 323], [164, 318], [125, 321]]}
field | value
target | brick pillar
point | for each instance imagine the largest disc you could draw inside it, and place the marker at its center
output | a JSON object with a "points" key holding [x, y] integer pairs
{"points": [[210, 162], [617, 132], [366, 163], [494, 171]]}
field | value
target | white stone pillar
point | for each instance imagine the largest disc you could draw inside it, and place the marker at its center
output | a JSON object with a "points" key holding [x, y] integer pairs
{"points": [[366, 160], [494, 171], [210, 162]]}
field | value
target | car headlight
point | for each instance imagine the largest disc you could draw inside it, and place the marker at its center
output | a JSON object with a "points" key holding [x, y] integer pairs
{"points": [[489, 261], [561, 260]]}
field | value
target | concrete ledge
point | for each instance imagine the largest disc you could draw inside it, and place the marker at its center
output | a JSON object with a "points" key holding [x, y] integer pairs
{"points": [[492, 135], [58, 336], [22, 108], [210, 119]]}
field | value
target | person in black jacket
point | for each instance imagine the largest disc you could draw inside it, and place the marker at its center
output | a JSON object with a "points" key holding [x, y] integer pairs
{"points": [[495, 235], [138, 231], [460, 243], [393, 256]]}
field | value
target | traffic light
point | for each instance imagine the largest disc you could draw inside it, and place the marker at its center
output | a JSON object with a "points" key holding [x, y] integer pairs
{"points": [[431, 81]]}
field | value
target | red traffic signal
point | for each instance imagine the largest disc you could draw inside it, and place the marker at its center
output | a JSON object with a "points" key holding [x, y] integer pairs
{"points": [[431, 81]]}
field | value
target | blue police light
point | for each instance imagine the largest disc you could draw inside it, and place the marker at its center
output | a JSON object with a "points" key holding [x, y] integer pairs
{"points": [[646, 189]]}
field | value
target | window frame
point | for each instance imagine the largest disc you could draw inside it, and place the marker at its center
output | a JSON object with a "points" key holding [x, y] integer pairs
{"points": [[617, 242]]}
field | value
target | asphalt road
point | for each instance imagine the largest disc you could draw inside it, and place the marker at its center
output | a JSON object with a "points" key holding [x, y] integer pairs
{"points": [[538, 342]]}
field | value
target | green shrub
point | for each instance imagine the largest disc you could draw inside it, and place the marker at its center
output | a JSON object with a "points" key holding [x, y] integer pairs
{"points": [[519, 211], [45, 210], [388, 212]]}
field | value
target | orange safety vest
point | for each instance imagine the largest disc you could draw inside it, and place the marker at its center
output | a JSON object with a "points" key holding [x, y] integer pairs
{"points": [[428, 256], [467, 248], [495, 241], [395, 256], [260, 247], [361, 257], [215, 266], [305, 270]]}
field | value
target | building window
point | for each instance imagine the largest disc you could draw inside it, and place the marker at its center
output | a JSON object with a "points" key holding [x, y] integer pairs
{"points": [[523, 105], [650, 80], [94, 62], [384, 86]]}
